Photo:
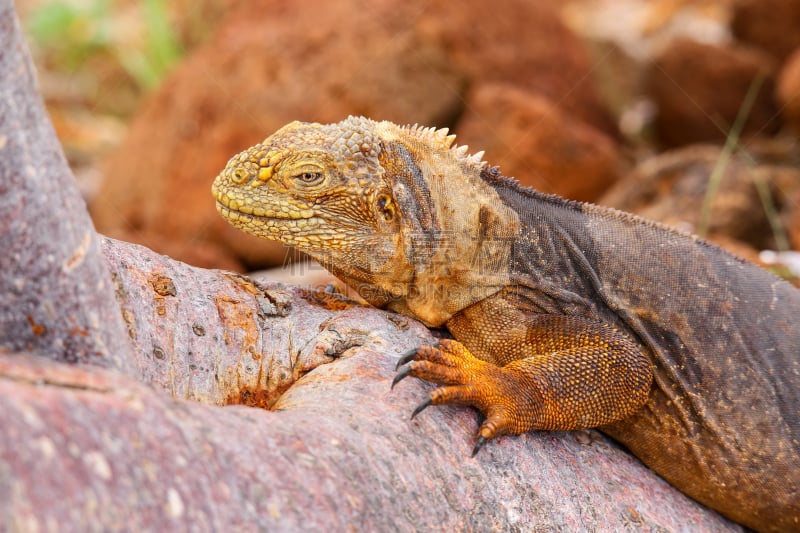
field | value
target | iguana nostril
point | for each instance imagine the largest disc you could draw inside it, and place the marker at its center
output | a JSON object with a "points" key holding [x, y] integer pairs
{"points": [[240, 176]]}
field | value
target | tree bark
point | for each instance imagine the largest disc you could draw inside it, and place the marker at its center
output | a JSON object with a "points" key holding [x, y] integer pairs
{"points": [[56, 292], [221, 338], [89, 450], [317, 442]]}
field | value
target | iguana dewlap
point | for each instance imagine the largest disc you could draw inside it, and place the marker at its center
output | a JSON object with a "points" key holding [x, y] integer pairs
{"points": [[567, 315]]}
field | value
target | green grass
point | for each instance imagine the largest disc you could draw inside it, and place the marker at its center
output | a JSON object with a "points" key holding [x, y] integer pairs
{"points": [[71, 34], [764, 193], [731, 143]]}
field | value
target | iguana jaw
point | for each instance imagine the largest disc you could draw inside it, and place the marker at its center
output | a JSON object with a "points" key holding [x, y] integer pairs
{"points": [[287, 229]]}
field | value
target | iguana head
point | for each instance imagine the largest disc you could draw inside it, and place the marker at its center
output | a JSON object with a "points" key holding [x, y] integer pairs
{"points": [[311, 186], [376, 203]]}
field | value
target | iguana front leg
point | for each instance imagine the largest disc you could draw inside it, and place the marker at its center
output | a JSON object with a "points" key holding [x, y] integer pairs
{"points": [[527, 371]]}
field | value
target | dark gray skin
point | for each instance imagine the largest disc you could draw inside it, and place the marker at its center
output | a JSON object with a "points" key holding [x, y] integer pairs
{"points": [[568, 315]]}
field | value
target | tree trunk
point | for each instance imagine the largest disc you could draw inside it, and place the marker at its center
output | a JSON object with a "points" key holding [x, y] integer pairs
{"points": [[56, 292]]}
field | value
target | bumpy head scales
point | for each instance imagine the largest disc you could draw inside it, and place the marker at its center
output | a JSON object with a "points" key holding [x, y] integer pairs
{"points": [[284, 188], [305, 174]]}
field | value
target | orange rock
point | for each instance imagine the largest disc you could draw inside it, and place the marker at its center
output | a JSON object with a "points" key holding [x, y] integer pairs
{"points": [[700, 88], [772, 25], [788, 91], [522, 43], [671, 188], [528, 137], [255, 75]]}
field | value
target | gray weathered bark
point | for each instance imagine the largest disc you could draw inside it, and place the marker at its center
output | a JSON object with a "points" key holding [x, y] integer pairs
{"points": [[55, 289], [88, 450]]}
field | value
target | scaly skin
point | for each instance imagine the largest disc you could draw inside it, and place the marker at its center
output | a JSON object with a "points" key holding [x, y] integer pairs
{"points": [[565, 315]]}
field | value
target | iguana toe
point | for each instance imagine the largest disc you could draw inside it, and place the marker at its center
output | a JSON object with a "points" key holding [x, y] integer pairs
{"points": [[402, 373], [420, 407], [478, 445], [411, 354], [406, 357], [467, 380]]}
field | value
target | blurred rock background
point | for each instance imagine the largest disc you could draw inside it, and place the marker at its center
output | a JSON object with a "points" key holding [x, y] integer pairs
{"points": [[627, 103]]}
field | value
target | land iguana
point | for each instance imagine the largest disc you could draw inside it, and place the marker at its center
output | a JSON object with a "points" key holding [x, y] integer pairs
{"points": [[566, 315]]}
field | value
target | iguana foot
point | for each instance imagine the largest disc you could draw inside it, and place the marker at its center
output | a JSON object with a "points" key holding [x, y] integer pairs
{"points": [[505, 396]]}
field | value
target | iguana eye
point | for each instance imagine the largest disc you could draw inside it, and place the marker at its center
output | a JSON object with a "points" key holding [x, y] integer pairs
{"points": [[309, 178]]}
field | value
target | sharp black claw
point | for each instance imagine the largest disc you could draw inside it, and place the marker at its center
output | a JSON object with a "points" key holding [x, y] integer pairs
{"points": [[411, 354], [406, 357], [478, 445], [401, 374], [420, 407]]}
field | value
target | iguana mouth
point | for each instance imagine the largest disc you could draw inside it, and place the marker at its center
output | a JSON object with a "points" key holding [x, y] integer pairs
{"points": [[229, 212]]}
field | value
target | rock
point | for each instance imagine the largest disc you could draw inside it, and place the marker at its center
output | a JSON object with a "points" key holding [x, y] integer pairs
{"points": [[772, 25], [785, 264], [699, 89], [407, 62], [531, 139], [671, 188], [521, 43], [788, 91]]}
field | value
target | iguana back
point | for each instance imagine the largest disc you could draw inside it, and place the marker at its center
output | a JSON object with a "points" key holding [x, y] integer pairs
{"points": [[723, 419]]}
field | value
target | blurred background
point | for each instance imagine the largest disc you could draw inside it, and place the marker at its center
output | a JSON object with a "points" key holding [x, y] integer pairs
{"points": [[683, 111]]}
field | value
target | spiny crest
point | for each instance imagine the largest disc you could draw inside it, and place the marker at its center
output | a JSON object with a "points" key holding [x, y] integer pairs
{"points": [[432, 136], [440, 138]]}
